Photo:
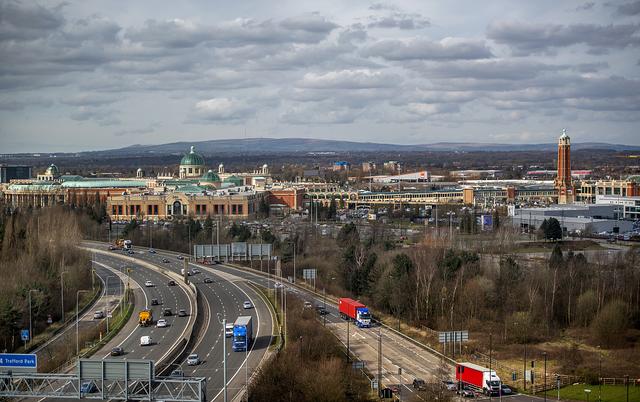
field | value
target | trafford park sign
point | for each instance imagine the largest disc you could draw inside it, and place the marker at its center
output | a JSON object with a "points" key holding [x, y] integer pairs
{"points": [[18, 362]]}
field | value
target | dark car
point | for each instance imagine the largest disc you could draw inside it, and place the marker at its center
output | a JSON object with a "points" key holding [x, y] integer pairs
{"points": [[154, 302], [165, 260], [172, 283], [131, 252], [182, 313], [117, 351], [167, 312], [88, 388], [208, 280], [506, 390], [180, 257], [466, 392], [395, 388], [321, 310], [178, 373], [419, 383]]}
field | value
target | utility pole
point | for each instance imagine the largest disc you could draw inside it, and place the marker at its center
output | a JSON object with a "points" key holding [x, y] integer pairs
{"points": [[348, 357], [490, 347], [78, 321], [599, 374], [224, 359], [30, 325], [62, 295], [379, 356]]}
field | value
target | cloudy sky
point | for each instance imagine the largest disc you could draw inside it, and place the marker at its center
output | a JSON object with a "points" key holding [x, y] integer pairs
{"points": [[97, 74]]}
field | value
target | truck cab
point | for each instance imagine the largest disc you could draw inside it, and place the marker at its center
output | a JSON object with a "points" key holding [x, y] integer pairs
{"points": [[363, 318]]}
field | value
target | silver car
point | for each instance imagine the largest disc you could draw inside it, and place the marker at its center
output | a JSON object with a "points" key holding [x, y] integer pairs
{"points": [[193, 360]]}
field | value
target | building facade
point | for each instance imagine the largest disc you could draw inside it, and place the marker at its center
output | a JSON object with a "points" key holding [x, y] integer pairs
{"points": [[14, 172]]}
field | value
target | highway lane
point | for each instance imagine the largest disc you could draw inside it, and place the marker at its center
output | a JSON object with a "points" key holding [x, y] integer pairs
{"points": [[225, 297]]}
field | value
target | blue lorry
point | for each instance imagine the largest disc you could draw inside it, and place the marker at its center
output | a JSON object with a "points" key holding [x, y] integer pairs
{"points": [[242, 334]]}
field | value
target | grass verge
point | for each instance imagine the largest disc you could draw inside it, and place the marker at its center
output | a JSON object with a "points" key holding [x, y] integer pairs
{"points": [[610, 393]]}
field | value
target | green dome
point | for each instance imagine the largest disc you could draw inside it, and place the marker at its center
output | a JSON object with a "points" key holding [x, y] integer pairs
{"points": [[52, 170], [235, 180], [210, 177], [192, 158]]}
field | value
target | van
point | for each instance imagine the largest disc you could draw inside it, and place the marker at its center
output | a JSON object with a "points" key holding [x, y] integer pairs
{"points": [[228, 330], [145, 340]]}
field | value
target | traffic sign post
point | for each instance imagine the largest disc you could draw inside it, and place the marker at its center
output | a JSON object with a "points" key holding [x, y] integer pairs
{"points": [[24, 335], [19, 362]]}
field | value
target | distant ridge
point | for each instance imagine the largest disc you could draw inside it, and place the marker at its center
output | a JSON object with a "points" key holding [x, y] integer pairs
{"points": [[307, 145]]}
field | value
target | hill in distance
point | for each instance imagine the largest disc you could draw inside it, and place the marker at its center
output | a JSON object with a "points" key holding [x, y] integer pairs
{"points": [[305, 145]]}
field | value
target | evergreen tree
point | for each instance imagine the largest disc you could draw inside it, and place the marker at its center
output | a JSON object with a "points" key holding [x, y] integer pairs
{"points": [[553, 230]]}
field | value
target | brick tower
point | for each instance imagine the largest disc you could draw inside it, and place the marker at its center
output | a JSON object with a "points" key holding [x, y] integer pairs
{"points": [[563, 181]]}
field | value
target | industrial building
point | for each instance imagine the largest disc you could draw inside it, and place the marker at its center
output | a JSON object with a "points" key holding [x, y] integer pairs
{"points": [[14, 172], [573, 218]]}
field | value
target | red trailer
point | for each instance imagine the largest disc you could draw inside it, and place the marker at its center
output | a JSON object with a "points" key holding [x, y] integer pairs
{"points": [[351, 309], [478, 377]]}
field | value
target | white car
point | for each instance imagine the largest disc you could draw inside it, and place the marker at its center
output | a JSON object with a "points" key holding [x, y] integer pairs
{"points": [[162, 323], [247, 305], [228, 330], [278, 285], [145, 340], [98, 315], [193, 360], [148, 284], [195, 271]]}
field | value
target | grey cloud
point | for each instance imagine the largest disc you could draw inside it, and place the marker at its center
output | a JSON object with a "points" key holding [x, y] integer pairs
{"points": [[586, 6], [222, 109], [525, 38], [136, 131], [501, 69], [319, 114], [401, 21], [90, 99], [104, 117], [12, 104], [27, 21], [349, 79], [184, 34], [423, 49], [632, 8]]}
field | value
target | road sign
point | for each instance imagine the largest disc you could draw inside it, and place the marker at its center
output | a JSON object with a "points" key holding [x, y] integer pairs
{"points": [[18, 361], [309, 273], [453, 336], [24, 334]]}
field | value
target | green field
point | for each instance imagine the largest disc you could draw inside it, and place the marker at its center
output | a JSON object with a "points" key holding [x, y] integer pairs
{"points": [[610, 393]]}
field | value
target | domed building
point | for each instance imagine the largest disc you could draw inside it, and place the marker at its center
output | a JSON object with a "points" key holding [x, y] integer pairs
{"points": [[234, 181], [191, 165], [51, 174], [210, 179]]}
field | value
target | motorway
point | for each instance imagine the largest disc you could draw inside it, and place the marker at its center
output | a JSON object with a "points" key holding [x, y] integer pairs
{"points": [[224, 297], [397, 351]]}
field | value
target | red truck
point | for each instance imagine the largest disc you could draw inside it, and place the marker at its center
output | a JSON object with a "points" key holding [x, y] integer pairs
{"points": [[478, 377], [354, 310]]}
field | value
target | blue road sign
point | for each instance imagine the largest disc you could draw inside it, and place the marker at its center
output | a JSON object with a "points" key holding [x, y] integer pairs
{"points": [[17, 360], [24, 334]]}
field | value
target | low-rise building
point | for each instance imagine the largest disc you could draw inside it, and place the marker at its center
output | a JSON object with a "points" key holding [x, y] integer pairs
{"points": [[581, 218]]}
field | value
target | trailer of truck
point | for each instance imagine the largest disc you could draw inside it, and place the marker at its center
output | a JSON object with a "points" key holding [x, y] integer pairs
{"points": [[242, 334], [478, 377], [354, 310]]}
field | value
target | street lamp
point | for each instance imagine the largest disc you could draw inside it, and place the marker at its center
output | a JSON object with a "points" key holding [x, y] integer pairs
{"points": [[451, 215], [77, 321], [30, 322], [599, 374], [545, 375], [107, 294], [224, 356]]}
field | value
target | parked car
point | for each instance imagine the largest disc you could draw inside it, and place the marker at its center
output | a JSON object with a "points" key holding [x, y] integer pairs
{"points": [[193, 360], [98, 315], [419, 383], [88, 388], [167, 312], [162, 323], [171, 283], [247, 305], [228, 330], [208, 280], [154, 302], [148, 284], [182, 313], [117, 351]]}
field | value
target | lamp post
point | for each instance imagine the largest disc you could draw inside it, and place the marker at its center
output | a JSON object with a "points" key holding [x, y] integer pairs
{"points": [[78, 320], [107, 294], [224, 357], [451, 215], [62, 295], [30, 321], [599, 374]]}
